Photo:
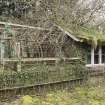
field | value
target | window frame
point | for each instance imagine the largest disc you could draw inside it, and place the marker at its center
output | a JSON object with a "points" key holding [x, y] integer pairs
{"points": [[99, 53]]}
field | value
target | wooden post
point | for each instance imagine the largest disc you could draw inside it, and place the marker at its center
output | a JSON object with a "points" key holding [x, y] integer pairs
{"points": [[2, 48], [18, 49], [92, 55], [2, 54], [18, 55], [19, 66], [100, 54]]}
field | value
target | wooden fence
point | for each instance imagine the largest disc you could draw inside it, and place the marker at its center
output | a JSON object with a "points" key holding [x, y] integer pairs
{"points": [[43, 74]]}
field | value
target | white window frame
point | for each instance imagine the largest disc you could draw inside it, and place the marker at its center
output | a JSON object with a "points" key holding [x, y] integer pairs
{"points": [[92, 57]]}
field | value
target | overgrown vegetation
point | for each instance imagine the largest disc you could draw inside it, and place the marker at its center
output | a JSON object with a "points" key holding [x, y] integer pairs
{"points": [[84, 95], [90, 35], [43, 74]]}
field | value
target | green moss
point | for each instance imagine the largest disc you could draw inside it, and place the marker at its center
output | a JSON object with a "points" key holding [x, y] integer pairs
{"points": [[89, 35]]}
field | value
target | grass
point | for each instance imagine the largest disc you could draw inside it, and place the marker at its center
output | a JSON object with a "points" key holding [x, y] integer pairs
{"points": [[81, 95]]}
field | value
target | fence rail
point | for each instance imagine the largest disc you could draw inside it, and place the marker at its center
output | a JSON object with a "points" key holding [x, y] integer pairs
{"points": [[36, 59]]}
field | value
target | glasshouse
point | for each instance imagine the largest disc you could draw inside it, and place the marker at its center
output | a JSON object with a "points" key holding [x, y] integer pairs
{"points": [[52, 52]]}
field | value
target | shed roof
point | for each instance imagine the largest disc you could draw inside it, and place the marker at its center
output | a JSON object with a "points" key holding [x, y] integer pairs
{"points": [[89, 35], [40, 28], [80, 34]]}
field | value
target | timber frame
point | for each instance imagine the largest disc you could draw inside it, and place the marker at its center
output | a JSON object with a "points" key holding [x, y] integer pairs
{"points": [[18, 48], [18, 59]]}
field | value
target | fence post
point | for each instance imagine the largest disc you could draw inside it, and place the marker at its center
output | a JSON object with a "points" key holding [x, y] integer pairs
{"points": [[18, 48], [2, 50]]}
